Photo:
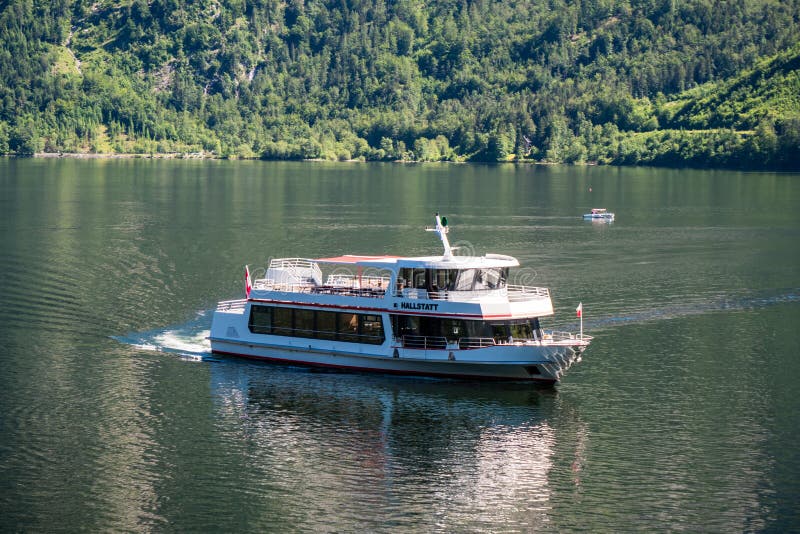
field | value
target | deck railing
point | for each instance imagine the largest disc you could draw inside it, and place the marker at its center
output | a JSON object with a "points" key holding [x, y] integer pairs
{"points": [[514, 293], [298, 268], [467, 343], [265, 284], [268, 284], [378, 286], [518, 293], [370, 292], [566, 336], [475, 342], [231, 305], [293, 263], [424, 342], [360, 282]]}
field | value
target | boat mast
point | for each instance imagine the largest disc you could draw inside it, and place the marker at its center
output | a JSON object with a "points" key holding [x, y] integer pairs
{"points": [[442, 229]]}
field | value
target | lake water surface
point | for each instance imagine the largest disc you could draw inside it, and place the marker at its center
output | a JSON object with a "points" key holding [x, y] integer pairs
{"points": [[683, 415]]}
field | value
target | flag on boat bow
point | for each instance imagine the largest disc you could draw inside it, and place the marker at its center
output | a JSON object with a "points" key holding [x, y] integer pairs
{"points": [[579, 309], [248, 284]]}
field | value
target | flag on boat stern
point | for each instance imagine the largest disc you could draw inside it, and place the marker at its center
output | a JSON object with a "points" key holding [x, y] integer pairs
{"points": [[248, 284], [579, 309]]}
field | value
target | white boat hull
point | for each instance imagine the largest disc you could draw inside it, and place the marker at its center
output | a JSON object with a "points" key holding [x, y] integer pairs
{"points": [[599, 215], [550, 368], [540, 361]]}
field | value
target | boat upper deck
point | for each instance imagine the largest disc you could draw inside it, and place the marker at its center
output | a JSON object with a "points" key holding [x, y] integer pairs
{"points": [[446, 284], [379, 287], [409, 284]]}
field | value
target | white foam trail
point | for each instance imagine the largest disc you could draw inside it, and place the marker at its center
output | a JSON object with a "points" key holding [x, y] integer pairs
{"points": [[181, 341], [190, 340]]}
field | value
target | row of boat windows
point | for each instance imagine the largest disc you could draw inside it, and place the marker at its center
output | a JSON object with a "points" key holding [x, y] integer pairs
{"points": [[453, 279], [368, 328], [317, 324], [455, 329]]}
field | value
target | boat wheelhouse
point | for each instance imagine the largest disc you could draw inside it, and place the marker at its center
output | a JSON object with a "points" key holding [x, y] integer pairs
{"points": [[448, 316]]}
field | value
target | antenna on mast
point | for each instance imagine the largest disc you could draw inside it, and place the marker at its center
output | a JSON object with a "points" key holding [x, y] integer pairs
{"points": [[442, 229]]}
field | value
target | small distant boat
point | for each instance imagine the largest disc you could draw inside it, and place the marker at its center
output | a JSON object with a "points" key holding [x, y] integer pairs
{"points": [[599, 214]]}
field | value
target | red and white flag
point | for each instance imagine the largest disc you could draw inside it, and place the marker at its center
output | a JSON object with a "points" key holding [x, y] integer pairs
{"points": [[579, 309], [248, 284]]}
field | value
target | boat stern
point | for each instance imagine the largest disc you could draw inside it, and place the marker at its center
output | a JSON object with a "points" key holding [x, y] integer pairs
{"points": [[227, 321]]}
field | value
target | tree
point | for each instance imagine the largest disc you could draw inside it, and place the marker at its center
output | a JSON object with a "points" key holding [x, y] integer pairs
{"points": [[498, 147]]}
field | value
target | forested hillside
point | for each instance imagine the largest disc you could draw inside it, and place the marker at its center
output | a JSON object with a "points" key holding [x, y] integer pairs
{"points": [[666, 82]]}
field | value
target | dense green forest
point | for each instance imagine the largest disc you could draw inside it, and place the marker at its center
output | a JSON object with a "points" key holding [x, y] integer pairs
{"points": [[659, 82]]}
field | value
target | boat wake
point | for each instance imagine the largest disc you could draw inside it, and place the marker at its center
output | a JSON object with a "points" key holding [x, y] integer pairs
{"points": [[698, 307], [189, 341]]}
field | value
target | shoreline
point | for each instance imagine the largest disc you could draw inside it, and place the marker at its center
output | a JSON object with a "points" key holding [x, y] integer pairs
{"points": [[206, 156], [210, 157], [107, 155]]}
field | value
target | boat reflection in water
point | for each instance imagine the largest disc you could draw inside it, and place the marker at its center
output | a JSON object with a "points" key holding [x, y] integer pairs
{"points": [[422, 452]]}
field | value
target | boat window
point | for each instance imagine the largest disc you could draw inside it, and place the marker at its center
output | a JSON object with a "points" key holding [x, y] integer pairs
{"points": [[348, 327], [521, 330], [466, 278], [455, 329], [326, 325], [303, 322], [317, 324], [403, 325], [536, 328], [404, 278], [444, 279], [477, 279], [494, 278], [500, 332], [452, 329], [481, 280], [441, 281], [415, 278], [517, 329], [419, 278], [370, 328], [478, 329], [282, 321], [261, 320]]}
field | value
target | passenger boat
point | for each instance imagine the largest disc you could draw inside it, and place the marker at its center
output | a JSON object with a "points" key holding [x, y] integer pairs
{"points": [[443, 316], [599, 214]]}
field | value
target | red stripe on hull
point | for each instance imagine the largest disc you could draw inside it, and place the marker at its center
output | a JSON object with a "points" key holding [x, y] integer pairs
{"points": [[542, 381]]}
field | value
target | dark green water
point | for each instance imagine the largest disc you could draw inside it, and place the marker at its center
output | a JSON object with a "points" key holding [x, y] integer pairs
{"points": [[683, 415]]}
